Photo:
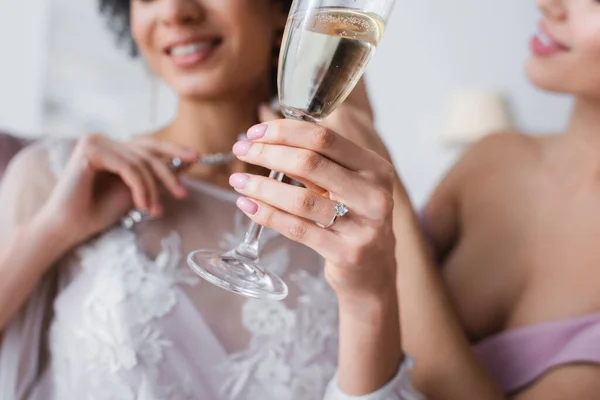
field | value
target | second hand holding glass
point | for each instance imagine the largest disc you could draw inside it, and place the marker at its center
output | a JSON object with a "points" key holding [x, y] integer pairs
{"points": [[326, 47]]}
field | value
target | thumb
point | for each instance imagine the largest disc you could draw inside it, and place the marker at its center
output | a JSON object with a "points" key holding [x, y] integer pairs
{"points": [[266, 113]]}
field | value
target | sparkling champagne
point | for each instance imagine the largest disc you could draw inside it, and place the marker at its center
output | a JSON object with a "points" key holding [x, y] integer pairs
{"points": [[324, 55]]}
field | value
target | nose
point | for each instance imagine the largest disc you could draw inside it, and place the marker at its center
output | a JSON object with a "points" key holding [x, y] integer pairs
{"points": [[553, 9], [181, 12]]}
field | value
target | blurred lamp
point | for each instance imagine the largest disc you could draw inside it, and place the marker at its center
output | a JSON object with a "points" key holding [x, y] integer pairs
{"points": [[469, 116]]}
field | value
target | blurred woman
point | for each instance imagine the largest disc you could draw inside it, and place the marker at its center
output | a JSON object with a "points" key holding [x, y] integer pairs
{"points": [[515, 228]]}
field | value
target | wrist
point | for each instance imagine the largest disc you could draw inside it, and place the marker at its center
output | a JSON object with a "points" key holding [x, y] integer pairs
{"points": [[370, 341], [54, 235], [32, 250], [366, 291], [371, 309]]}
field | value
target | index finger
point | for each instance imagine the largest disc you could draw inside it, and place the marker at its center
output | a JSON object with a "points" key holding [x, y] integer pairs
{"points": [[317, 138]]}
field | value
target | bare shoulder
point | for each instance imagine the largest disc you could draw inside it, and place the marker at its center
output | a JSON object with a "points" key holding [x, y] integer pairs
{"points": [[501, 150], [499, 154]]}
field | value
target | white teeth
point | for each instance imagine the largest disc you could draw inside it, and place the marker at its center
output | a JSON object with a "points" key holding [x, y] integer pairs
{"points": [[546, 41], [186, 50]]}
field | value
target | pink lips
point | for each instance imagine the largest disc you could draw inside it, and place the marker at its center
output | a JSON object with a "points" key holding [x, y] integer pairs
{"points": [[544, 44]]}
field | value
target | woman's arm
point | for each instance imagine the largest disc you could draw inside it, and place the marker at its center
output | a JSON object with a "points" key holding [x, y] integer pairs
{"points": [[359, 250], [432, 330], [370, 351], [369, 334], [28, 245], [30, 252], [439, 220], [445, 366], [370, 343]]}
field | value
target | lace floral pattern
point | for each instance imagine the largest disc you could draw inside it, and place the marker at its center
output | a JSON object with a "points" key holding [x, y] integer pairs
{"points": [[292, 351], [116, 335]]}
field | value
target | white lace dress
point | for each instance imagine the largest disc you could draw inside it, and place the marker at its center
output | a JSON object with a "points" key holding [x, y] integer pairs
{"points": [[130, 321]]}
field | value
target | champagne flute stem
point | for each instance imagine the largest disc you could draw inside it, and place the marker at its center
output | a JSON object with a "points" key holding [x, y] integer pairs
{"points": [[249, 247]]}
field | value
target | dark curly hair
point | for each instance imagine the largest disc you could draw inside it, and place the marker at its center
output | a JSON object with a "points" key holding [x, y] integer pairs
{"points": [[118, 13]]}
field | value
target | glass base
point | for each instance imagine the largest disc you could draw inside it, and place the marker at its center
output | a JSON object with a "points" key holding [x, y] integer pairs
{"points": [[298, 115], [237, 274]]}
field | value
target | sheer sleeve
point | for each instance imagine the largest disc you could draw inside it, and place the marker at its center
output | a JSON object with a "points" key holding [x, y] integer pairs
{"points": [[9, 146], [399, 388], [26, 184]]}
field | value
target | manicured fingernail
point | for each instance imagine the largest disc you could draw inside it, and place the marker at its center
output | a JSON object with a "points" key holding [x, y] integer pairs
{"points": [[241, 148], [238, 181], [257, 131], [247, 206]]}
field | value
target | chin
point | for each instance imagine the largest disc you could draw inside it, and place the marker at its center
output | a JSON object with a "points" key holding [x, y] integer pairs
{"points": [[213, 86], [570, 81], [200, 88], [199, 93], [545, 77]]}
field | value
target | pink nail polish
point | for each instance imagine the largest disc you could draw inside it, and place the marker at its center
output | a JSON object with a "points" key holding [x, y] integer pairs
{"points": [[257, 131], [238, 181], [247, 206], [241, 148]]}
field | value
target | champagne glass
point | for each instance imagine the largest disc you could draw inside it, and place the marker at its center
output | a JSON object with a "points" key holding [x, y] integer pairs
{"points": [[326, 47]]}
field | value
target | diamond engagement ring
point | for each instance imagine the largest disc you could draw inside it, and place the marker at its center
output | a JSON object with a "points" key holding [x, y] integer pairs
{"points": [[339, 211]]}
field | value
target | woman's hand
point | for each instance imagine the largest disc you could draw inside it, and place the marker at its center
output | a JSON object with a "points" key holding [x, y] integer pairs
{"points": [[104, 178], [359, 247]]}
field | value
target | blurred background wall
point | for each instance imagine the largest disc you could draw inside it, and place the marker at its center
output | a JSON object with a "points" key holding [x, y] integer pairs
{"points": [[61, 74]]}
